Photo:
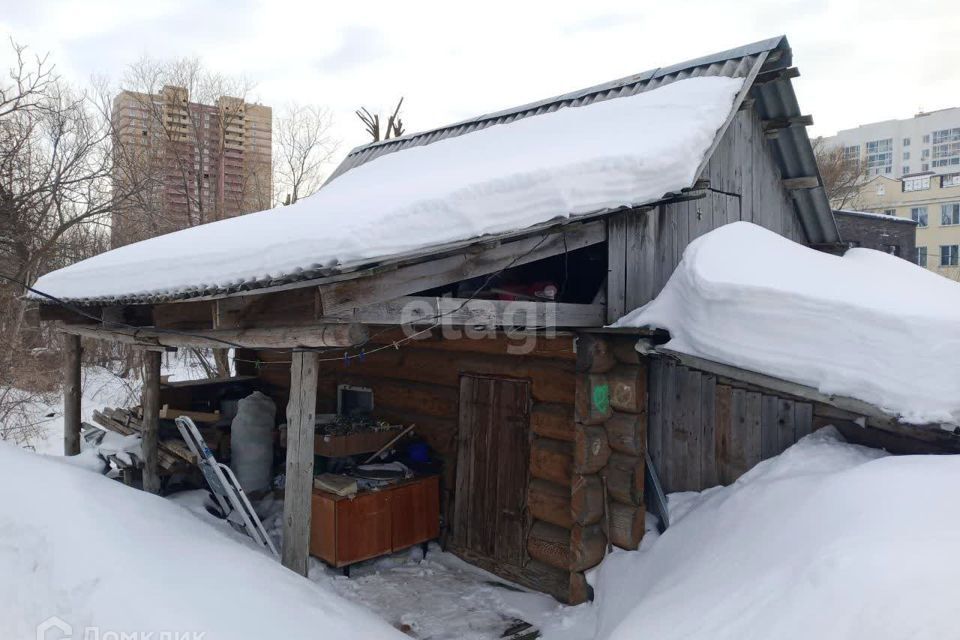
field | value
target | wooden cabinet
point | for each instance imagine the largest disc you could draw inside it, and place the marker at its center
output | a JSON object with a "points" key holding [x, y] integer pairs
{"points": [[347, 530]]}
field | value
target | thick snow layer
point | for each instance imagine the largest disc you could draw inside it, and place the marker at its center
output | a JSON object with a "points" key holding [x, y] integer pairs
{"points": [[828, 540], [95, 553], [866, 325], [623, 151]]}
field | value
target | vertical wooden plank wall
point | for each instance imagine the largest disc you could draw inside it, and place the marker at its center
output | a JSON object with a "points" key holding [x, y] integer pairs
{"points": [[745, 183], [151, 420], [702, 433]]}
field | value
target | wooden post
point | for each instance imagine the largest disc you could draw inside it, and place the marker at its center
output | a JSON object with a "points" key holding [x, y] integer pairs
{"points": [[71, 395], [301, 415], [151, 421]]}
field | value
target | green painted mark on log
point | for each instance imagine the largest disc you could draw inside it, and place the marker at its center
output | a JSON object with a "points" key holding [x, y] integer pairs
{"points": [[601, 398]]}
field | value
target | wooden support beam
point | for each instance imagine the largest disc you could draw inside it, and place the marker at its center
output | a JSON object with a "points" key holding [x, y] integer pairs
{"points": [[785, 123], [298, 491], [801, 182], [71, 395], [379, 285], [321, 335], [420, 310], [787, 73], [151, 421]]}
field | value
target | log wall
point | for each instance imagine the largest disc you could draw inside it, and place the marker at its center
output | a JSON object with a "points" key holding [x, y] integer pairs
{"points": [[419, 383]]}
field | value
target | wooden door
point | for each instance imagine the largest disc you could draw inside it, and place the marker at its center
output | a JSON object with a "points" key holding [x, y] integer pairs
{"points": [[492, 464]]}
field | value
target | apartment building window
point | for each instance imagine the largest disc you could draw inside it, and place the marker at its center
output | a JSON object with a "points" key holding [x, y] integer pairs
{"points": [[906, 169], [880, 154], [919, 215], [924, 167], [906, 142], [919, 183], [924, 154], [946, 147], [950, 180], [906, 155], [950, 213], [926, 139], [921, 256], [889, 212], [851, 153], [949, 255]]}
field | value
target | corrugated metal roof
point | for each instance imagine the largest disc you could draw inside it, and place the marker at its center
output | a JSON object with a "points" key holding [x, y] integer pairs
{"points": [[774, 100]]}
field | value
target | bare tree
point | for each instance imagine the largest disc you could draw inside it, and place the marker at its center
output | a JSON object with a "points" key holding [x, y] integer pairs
{"points": [[56, 195], [371, 122], [842, 176], [303, 148]]}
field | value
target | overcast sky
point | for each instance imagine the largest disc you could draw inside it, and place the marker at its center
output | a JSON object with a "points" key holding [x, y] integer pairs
{"points": [[860, 60]]}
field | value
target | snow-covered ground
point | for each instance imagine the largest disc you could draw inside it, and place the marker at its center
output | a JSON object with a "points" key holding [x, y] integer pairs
{"points": [[827, 540], [618, 152], [867, 325], [98, 554]]}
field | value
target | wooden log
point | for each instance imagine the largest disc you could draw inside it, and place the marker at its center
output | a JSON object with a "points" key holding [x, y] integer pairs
{"points": [[628, 388], [565, 586], [301, 415], [594, 354], [625, 350], [71, 395], [552, 421], [550, 502], [574, 549], [627, 432], [552, 460], [151, 421], [586, 499], [626, 525], [625, 478], [560, 347], [592, 402], [317, 336], [590, 449]]}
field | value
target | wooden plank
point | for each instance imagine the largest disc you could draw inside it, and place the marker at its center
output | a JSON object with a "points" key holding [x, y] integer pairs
{"points": [[151, 421], [509, 463], [769, 433], [685, 436], [369, 287], [708, 446], [301, 416], [465, 456], [655, 415], [71, 394], [458, 312], [786, 424], [616, 266], [803, 419], [668, 408], [750, 437]]}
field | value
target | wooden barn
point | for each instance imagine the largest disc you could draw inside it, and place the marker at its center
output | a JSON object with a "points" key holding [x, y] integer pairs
{"points": [[542, 427]]}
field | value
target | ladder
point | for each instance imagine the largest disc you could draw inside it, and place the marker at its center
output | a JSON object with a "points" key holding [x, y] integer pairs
{"points": [[226, 489]]}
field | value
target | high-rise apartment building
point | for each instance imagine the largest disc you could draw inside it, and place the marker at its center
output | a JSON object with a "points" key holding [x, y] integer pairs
{"points": [[187, 163], [927, 142]]}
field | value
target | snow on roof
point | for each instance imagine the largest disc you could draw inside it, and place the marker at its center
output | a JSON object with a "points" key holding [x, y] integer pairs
{"points": [[866, 325], [620, 152]]}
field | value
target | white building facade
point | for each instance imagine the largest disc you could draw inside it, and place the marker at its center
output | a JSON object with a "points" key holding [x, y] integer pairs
{"points": [[927, 142]]}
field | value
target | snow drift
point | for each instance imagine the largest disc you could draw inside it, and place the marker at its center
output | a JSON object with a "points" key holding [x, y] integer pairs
{"points": [[95, 553], [618, 152], [828, 540], [866, 325]]}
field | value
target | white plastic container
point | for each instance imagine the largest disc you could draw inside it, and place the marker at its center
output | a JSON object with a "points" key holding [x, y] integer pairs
{"points": [[251, 442]]}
